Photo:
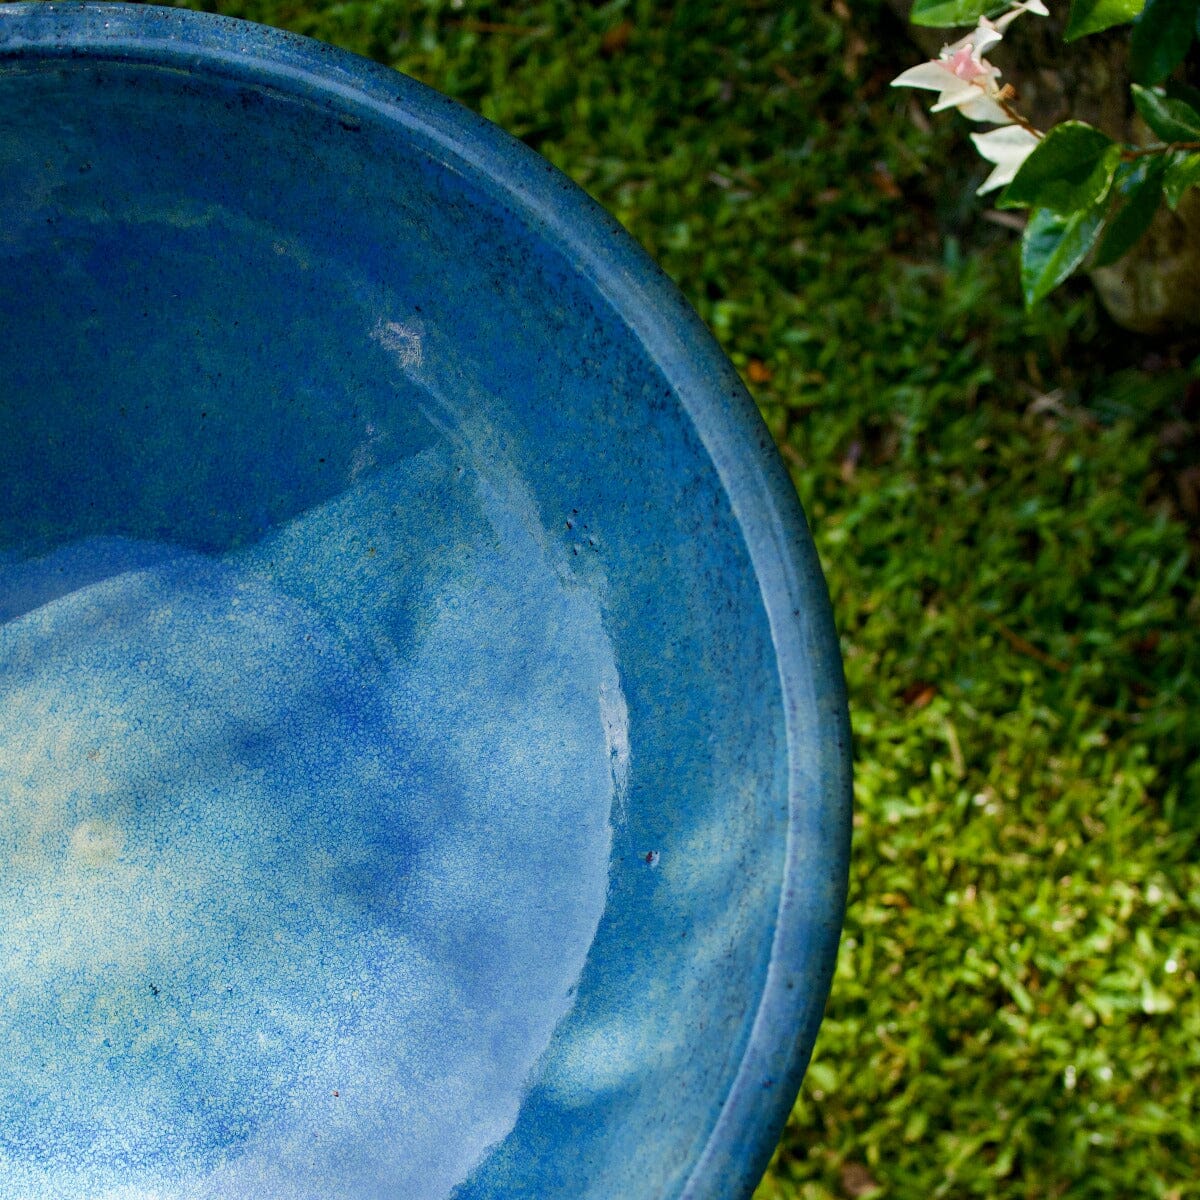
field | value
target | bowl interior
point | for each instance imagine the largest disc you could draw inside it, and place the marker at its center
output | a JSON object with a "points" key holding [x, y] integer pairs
{"points": [[396, 776]]}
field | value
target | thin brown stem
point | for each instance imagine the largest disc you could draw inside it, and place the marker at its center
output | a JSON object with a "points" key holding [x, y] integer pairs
{"points": [[1006, 94], [1132, 153], [1023, 646]]}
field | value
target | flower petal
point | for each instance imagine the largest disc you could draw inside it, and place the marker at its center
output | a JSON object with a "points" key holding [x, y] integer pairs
{"points": [[983, 108], [1009, 144], [1000, 176], [979, 41], [987, 35], [1033, 6], [929, 75], [1007, 147], [959, 93], [974, 100]]}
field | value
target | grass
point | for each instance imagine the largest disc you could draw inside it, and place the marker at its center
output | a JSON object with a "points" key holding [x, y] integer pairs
{"points": [[1005, 508]]}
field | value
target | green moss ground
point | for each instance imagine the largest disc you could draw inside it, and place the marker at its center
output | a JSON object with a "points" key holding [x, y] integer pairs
{"points": [[1001, 504]]}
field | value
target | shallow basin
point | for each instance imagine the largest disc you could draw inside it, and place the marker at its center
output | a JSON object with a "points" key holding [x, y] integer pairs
{"points": [[423, 750]]}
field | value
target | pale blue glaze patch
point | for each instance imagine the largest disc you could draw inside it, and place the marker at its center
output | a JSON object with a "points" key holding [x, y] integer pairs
{"points": [[423, 756], [273, 899]]}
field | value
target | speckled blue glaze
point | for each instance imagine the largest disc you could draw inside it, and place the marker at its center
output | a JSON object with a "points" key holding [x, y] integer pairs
{"points": [[423, 749]]}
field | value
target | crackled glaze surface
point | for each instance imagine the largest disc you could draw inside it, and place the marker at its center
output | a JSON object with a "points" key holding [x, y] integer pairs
{"points": [[423, 761]]}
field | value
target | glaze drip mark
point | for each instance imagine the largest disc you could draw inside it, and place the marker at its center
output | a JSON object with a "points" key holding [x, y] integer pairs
{"points": [[403, 341], [614, 717]]}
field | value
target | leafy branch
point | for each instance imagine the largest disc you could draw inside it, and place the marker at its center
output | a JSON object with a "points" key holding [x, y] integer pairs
{"points": [[1090, 198]]}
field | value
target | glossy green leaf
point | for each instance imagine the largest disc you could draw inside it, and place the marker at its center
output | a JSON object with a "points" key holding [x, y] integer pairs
{"points": [[1139, 188], [1182, 173], [1091, 16], [1162, 33], [947, 13], [1053, 246], [1183, 91], [1171, 120], [1071, 168]]}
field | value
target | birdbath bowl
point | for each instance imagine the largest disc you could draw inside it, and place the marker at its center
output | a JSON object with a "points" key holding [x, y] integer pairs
{"points": [[423, 750]]}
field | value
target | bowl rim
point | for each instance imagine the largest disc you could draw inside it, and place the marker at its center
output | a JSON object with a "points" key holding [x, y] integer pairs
{"points": [[765, 506]]}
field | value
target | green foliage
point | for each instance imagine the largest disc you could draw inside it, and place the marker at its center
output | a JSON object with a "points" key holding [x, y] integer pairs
{"points": [[1068, 177], [1183, 173], [946, 13], [1172, 120], [1093, 16], [1085, 197], [1017, 591], [1138, 188], [1066, 181], [1162, 36], [1070, 169], [1053, 246]]}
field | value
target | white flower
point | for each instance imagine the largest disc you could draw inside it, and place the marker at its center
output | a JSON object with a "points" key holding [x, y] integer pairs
{"points": [[960, 74], [1008, 147], [1033, 6]]}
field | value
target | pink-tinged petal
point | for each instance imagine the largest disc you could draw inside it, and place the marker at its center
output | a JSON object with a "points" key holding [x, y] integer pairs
{"points": [[965, 65], [929, 75]]}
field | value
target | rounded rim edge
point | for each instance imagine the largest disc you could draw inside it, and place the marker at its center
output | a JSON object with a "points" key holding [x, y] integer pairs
{"points": [[768, 513]]}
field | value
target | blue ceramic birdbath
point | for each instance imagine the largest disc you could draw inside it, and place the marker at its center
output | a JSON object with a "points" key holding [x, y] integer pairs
{"points": [[423, 750]]}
